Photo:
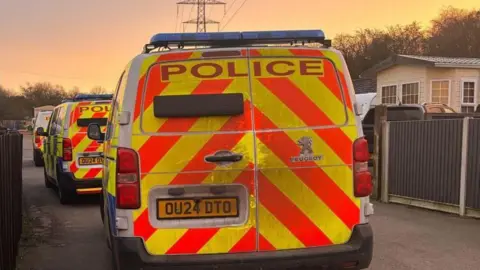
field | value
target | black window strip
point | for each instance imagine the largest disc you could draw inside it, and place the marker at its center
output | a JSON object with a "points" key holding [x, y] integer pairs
{"points": [[198, 105]]}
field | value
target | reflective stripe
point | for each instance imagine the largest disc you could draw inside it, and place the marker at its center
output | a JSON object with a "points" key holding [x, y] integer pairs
{"points": [[89, 190]]}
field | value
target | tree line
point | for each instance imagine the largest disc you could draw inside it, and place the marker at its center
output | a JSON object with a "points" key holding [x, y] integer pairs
{"points": [[453, 33], [19, 105]]}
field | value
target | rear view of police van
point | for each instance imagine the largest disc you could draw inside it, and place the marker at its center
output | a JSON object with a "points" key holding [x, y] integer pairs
{"points": [[86, 157], [240, 156], [38, 141]]}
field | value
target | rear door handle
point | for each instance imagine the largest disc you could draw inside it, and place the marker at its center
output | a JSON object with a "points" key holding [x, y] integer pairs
{"points": [[226, 158]]}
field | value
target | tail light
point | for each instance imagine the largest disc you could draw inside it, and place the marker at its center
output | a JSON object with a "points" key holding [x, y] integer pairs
{"points": [[363, 185], [67, 149], [128, 182], [37, 139]]}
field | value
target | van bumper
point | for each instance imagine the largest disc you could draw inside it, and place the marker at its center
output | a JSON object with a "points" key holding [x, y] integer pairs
{"points": [[130, 253], [82, 186], [38, 152]]}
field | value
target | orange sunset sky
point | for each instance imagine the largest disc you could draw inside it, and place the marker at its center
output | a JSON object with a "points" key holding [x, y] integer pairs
{"points": [[86, 43]]}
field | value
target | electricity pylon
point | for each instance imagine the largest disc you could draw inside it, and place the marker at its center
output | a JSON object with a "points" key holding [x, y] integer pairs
{"points": [[201, 21]]}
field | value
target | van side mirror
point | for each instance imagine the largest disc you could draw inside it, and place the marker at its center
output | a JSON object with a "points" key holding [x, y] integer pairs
{"points": [[41, 132], [95, 133]]}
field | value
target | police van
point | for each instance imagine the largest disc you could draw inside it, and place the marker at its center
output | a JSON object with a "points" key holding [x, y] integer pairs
{"points": [[237, 150], [37, 141], [73, 162]]}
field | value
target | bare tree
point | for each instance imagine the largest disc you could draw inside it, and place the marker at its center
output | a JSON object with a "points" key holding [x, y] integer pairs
{"points": [[456, 33], [43, 93], [73, 92], [5, 108], [99, 90], [367, 47], [4, 92]]}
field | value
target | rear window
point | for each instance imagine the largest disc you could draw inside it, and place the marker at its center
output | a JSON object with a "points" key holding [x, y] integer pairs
{"points": [[42, 119]]}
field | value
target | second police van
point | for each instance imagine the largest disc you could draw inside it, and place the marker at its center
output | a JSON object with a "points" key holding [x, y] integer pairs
{"points": [[73, 162], [238, 150], [42, 119]]}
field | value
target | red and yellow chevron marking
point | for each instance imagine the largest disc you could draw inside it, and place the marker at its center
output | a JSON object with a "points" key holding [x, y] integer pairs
{"points": [[80, 142], [300, 205]]}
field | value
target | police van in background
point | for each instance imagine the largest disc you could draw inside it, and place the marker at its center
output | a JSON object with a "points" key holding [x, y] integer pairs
{"points": [[73, 162]]}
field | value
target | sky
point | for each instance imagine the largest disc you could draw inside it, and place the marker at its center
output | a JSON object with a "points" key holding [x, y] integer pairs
{"points": [[87, 43]]}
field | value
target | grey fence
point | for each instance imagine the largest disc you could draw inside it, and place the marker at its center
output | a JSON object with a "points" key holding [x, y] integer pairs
{"points": [[433, 164], [473, 165]]}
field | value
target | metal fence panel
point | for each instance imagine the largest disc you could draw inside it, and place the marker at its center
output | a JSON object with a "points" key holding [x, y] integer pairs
{"points": [[473, 165], [424, 160]]}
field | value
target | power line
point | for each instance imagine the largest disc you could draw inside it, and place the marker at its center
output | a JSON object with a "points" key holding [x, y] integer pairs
{"points": [[226, 12], [176, 21], [181, 17], [234, 14], [176, 17], [189, 17], [191, 12], [210, 12]]}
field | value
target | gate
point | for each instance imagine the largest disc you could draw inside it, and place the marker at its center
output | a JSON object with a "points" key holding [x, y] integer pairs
{"points": [[433, 164]]}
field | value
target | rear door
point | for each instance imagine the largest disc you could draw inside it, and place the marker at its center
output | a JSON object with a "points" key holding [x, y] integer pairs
{"points": [[193, 133], [305, 130], [87, 160], [275, 176], [50, 144]]}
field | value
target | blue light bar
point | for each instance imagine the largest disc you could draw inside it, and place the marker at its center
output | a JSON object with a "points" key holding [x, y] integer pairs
{"points": [[284, 35], [92, 97], [194, 37], [237, 38]]}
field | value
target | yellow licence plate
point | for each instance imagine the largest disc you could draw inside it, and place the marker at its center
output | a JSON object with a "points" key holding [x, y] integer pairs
{"points": [[192, 208], [90, 160]]}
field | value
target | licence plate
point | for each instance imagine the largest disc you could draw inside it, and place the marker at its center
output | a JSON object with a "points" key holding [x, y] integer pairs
{"points": [[193, 208], [90, 160]]}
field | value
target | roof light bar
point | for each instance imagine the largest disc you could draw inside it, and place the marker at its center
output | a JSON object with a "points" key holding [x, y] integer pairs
{"points": [[311, 35], [235, 38], [80, 97], [195, 37]]}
